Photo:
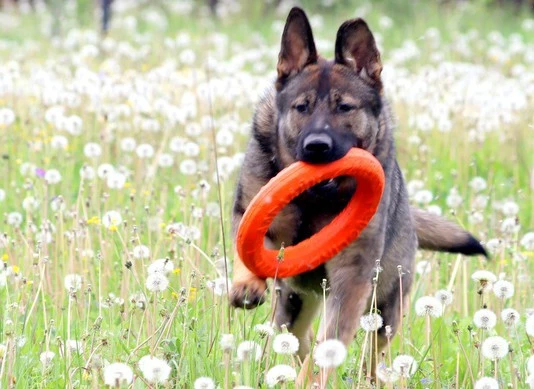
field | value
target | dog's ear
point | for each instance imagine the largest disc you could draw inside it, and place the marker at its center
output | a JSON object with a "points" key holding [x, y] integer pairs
{"points": [[356, 48], [298, 46]]}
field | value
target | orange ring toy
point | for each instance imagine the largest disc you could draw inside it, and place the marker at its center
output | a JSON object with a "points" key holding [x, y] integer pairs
{"points": [[333, 238]]}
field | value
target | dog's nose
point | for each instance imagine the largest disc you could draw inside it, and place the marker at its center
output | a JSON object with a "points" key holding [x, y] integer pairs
{"points": [[318, 144]]}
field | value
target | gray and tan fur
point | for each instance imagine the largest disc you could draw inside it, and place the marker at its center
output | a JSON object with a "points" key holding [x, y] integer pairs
{"points": [[316, 112]]}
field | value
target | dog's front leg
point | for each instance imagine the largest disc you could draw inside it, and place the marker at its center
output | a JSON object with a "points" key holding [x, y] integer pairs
{"points": [[248, 290]]}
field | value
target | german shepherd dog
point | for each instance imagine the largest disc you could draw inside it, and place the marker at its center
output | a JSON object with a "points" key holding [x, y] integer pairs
{"points": [[317, 111]]}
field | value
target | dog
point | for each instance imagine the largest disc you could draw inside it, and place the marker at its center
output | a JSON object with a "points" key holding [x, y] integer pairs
{"points": [[316, 112]]}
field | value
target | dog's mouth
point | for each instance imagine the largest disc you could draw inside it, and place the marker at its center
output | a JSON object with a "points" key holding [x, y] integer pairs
{"points": [[326, 187]]}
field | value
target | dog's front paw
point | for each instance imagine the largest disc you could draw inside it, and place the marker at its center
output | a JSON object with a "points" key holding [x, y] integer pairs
{"points": [[248, 294]]}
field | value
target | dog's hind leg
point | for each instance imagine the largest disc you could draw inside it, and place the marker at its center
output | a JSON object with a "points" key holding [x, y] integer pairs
{"points": [[349, 294]]}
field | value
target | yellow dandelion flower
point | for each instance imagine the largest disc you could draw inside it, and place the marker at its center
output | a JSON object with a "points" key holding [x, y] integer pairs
{"points": [[5, 257], [93, 220], [113, 228], [176, 271], [175, 295], [16, 269]]}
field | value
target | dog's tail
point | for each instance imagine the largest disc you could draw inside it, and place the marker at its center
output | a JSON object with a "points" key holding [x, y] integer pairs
{"points": [[438, 234]]}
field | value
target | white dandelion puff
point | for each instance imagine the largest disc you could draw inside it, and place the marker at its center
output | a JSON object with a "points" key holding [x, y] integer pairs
{"points": [[330, 353], [204, 383], [495, 347], [74, 346], [529, 325], [141, 252], [503, 289], [73, 282], [227, 342], [154, 370], [219, 286], [104, 170], [280, 374], [264, 329], [423, 267], [487, 383], [144, 151], [530, 365], [510, 209], [386, 374], [52, 177], [485, 319], [485, 278], [527, 241], [444, 296], [428, 306], [46, 358], [371, 322], [405, 365], [157, 282], [117, 374], [478, 184], [92, 150], [162, 265], [248, 350], [510, 317], [285, 344], [111, 219]]}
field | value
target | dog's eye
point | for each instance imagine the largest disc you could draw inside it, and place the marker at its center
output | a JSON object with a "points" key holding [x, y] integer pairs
{"points": [[302, 108], [344, 107]]}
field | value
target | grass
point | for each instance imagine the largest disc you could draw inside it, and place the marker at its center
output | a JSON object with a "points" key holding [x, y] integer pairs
{"points": [[139, 84]]}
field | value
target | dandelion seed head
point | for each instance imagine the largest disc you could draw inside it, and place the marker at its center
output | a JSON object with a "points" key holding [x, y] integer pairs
{"points": [[248, 350], [264, 329], [74, 346], [503, 289], [428, 306], [404, 365], [529, 325], [157, 282], [117, 374], [371, 322], [527, 241], [162, 265], [510, 209], [510, 317], [530, 365], [386, 374], [141, 252], [219, 286], [92, 150], [487, 383], [478, 184], [444, 296], [154, 370], [46, 358], [227, 342], [280, 374], [73, 282], [330, 353], [495, 347], [285, 344], [485, 319], [111, 219]]}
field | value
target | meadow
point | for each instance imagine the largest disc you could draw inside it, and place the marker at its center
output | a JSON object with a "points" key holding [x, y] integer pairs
{"points": [[112, 203]]}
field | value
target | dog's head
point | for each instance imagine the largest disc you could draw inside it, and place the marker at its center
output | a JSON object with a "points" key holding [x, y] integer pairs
{"points": [[327, 107]]}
